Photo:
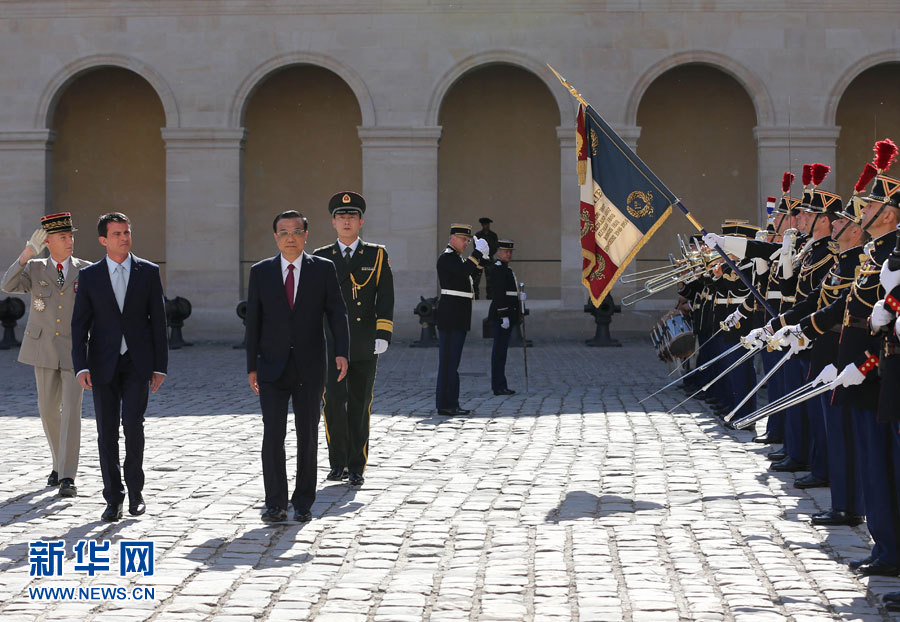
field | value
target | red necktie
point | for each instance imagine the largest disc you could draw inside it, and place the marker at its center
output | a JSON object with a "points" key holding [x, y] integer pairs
{"points": [[289, 286]]}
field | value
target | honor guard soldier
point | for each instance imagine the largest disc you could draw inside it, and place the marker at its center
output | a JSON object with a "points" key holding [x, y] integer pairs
{"points": [[503, 314], [454, 312], [367, 285], [47, 345]]}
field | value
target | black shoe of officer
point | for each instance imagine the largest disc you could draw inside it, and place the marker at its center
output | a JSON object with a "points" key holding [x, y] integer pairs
{"points": [[891, 597], [777, 454], [788, 465], [504, 392], [53, 480], [810, 481], [112, 513], [336, 475], [356, 479], [274, 515], [767, 438], [856, 563], [67, 487], [835, 517], [453, 412], [878, 568]]}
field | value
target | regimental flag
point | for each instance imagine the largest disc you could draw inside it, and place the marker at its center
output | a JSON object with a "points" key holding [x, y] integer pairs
{"points": [[622, 203]]}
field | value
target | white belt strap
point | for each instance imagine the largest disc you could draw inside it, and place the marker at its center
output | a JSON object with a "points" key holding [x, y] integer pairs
{"points": [[789, 298], [730, 301], [511, 293], [454, 292], [773, 295]]}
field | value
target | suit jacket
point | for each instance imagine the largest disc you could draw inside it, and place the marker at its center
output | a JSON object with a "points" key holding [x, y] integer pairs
{"points": [[98, 325], [371, 306], [273, 328], [48, 340]]}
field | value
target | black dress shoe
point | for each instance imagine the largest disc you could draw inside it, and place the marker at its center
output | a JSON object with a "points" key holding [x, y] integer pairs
{"points": [[856, 563], [112, 513], [891, 597], [788, 465], [768, 439], [776, 455], [892, 605], [505, 392], [878, 568], [836, 517], [53, 480], [810, 481], [453, 412], [302, 517], [67, 487], [274, 515], [356, 479], [336, 475], [136, 507]]}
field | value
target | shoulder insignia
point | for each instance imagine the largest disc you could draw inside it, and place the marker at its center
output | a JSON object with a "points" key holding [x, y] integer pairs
{"points": [[324, 248]]}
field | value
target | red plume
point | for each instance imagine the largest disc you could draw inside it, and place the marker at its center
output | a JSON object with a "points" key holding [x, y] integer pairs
{"points": [[865, 177], [770, 199], [806, 178], [885, 154], [786, 182], [819, 172]]}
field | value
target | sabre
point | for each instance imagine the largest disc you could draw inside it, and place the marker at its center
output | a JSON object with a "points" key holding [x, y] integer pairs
{"points": [[753, 418], [694, 371], [753, 391], [520, 289], [743, 358], [775, 406]]}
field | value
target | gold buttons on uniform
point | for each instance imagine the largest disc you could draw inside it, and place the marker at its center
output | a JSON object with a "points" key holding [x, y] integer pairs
{"points": [[57, 334], [359, 319], [358, 303], [61, 293], [58, 320], [59, 307]]}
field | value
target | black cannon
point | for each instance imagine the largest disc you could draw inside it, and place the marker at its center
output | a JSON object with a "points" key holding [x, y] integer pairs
{"points": [[602, 318], [241, 311], [178, 309], [11, 311], [427, 312]]}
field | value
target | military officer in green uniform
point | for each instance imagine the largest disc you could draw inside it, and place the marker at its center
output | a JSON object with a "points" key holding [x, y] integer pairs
{"points": [[367, 285]]}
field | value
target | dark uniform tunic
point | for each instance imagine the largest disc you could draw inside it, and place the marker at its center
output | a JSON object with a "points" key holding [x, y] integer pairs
{"points": [[504, 304], [727, 293], [493, 242], [454, 319], [367, 286]]}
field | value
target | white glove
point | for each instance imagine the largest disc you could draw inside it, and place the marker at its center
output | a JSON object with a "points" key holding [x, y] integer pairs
{"points": [[755, 339], [522, 296], [781, 337], [481, 246], [897, 328], [826, 375], [762, 266], [38, 241], [889, 278], [733, 320], [786, 255], [381, 346], [713, 239], [504, 323], [797, 342], [731, 244], [881, 316], [849, 376]]}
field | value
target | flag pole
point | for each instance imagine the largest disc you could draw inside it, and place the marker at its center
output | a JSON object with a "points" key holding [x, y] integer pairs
{"points": [[759, 297]]}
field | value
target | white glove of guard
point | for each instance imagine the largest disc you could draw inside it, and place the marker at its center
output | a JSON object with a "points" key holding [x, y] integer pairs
{"points": [[881, 316], [381, 346], [522, 296], [849, 376], [733, 319], [762, 266], [826, 375], [786, 255], [481, 246], [897, 327], [731, 244], [797, 342], [754, 339], [781, 337], [889, 278], [504, 323], [38, 241]]}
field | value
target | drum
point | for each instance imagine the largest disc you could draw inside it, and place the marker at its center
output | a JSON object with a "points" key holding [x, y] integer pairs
{"points": [[679, 336]]}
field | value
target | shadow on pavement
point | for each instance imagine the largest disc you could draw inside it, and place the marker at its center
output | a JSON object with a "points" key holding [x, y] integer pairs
{"points": [[583, 504]]}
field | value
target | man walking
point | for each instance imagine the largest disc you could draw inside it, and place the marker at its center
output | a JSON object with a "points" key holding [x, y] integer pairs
{"points": [[48, 343], [120, 350], [367, 286], [289, 297]]}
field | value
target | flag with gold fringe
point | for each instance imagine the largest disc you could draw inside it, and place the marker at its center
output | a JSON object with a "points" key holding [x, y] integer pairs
{"points": [[622, 203]]}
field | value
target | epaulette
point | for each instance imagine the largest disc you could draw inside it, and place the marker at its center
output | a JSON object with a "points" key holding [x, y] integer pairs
{"points": [[322, 248], [373, 245]]}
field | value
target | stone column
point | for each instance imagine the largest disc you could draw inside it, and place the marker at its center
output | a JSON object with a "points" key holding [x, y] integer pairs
{"points": [[24, 175], [400, 172], [572, 292], [782, 148], [203, 226]]}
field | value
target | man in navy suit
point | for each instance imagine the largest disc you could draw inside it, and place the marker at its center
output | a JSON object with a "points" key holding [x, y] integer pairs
{"points": [[120, 350], [289, 298]]}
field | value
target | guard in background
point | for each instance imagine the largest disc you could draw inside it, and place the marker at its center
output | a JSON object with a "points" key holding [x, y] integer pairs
{"points": [[367, 285], [47, 345], [503, 314], [491, 238], [454, 313]]}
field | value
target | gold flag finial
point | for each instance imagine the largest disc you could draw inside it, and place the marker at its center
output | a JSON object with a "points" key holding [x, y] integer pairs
{"points": [[571, 88]]}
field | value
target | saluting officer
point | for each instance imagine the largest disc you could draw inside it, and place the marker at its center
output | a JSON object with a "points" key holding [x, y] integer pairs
{"points": [[504, 313], [47, 346], [454, 312], [364, 273]]}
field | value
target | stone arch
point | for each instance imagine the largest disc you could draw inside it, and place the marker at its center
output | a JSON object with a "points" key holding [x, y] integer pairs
{"points": [[756, 88], [64, 77], [259, 74], [564, 101], [849, 75]]}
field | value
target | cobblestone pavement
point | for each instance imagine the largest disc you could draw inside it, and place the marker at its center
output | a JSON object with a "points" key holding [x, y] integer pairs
{"points": [[570, 502]]}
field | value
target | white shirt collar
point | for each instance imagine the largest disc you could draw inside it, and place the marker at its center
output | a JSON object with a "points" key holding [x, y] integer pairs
{"points": [[352, 247], [65, 263], [296, 263], [112, 265]]}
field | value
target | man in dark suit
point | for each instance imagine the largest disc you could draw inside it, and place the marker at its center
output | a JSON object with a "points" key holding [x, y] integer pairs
{"points": [[120, 350], [288, 298]]}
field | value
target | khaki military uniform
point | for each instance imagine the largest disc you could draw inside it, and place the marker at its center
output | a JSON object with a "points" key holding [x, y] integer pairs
{"points": [[47, 346]]}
